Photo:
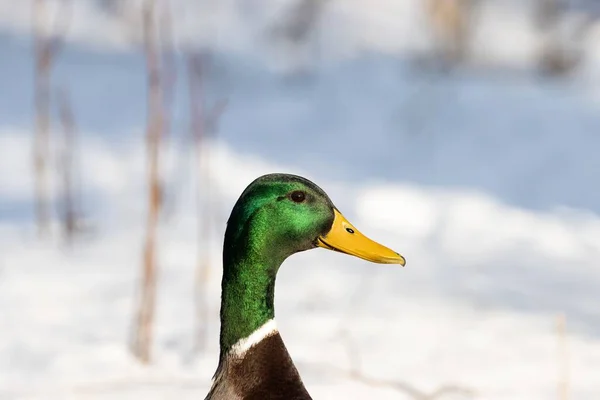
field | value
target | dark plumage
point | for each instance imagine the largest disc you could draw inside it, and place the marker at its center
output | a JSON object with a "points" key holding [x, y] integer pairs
{"points": [[266, 372]]}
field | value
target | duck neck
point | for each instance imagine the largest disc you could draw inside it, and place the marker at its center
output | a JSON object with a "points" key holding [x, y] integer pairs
{"points": [[248, 291]]}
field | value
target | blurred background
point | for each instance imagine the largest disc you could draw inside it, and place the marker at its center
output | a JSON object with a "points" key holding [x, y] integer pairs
{"points": [[462, 133]]}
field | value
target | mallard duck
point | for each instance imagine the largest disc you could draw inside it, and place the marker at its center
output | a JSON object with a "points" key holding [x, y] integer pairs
{"points": [[276, 216]]}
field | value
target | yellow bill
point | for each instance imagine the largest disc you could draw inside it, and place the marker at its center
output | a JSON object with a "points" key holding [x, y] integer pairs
{"points": [[345, 238]]}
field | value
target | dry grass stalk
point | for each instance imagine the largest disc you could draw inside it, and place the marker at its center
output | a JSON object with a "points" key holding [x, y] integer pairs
{"points": [[67, 167], [203, 124], [451, 24], [46, 45], [142, 342]]}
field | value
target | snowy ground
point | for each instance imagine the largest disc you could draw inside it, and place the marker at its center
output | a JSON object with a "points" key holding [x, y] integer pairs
{"points": [[485, 184]]}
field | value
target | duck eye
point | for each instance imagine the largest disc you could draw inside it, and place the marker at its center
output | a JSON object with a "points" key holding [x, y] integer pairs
{"points": [[298, 196], [350, 230]]}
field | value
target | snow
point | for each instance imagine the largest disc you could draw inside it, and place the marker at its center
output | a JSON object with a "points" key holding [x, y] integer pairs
{"points": [[485, 183]]}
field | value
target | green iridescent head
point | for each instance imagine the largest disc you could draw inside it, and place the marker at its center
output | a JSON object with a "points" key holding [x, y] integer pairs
{"points": [[276, 216]]}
